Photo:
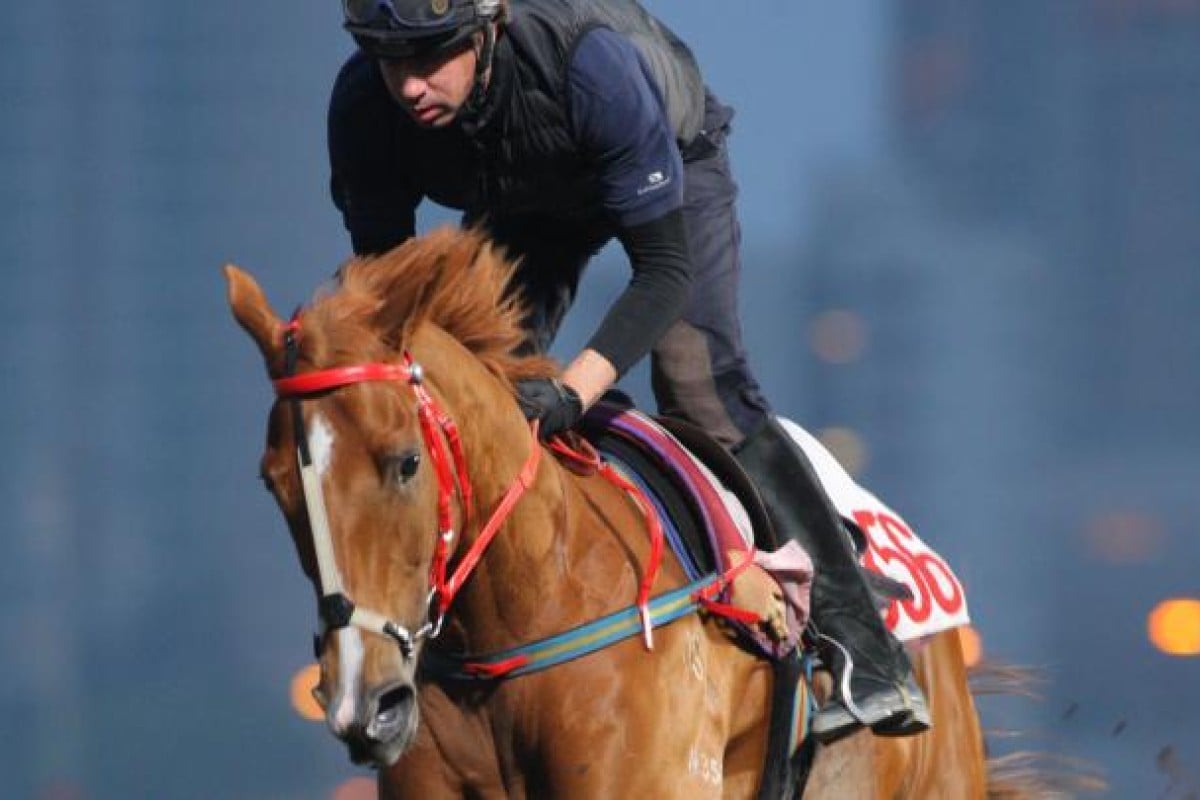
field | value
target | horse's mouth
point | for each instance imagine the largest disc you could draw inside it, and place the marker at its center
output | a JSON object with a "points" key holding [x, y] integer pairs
{"points": [[390, 731]]}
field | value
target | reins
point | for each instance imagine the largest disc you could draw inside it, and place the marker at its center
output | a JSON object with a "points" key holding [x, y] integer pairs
{"points": [[585, 459], [441, 436]]}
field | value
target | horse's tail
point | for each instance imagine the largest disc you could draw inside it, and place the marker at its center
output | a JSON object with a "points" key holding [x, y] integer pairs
{"points": [[1027, 774], [1031, 775]]}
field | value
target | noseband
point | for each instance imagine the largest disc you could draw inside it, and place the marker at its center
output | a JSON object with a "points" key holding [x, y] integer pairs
{"points": [[440, 434]]}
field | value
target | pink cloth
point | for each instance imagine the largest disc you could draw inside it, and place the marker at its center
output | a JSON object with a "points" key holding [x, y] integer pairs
{"points": [[792, 569]]}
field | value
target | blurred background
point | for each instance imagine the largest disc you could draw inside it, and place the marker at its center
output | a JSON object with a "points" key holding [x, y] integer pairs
{"points": [[972, 235]]}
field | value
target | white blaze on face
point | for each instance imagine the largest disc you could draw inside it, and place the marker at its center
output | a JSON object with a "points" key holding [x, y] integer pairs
{"points": [[320, 444], [342, 710], [350, 660]]}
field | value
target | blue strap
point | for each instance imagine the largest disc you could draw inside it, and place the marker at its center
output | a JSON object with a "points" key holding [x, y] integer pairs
{"points": [[571, 644]]}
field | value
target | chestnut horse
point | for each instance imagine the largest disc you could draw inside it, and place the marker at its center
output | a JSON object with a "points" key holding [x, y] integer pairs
{"points": [[410, 480]]}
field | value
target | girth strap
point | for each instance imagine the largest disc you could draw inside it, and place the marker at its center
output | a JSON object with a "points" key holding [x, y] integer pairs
{"points": [[571, 644]]}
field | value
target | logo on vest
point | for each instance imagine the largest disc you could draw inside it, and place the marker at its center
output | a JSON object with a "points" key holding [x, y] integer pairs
{"points": [[654, 181]]}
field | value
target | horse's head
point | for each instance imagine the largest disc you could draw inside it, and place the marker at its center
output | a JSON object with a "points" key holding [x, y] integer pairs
{"points": [[365, 459]]}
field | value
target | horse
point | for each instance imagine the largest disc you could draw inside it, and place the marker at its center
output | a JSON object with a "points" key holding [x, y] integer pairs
{"points": [[430, 524]]}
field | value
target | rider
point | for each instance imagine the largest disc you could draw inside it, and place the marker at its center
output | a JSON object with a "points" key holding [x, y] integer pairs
{"points": [[559, 125]]}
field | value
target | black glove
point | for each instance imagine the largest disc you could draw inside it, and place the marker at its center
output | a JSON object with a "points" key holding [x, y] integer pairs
{"points": [[551, 401]]}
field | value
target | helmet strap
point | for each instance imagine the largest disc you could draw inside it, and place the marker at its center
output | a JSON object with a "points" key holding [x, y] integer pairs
{"points": [[483, 63]]}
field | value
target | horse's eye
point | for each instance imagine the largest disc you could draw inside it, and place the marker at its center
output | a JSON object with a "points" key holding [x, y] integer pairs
{"points": [[403, 466], [408, 466]]}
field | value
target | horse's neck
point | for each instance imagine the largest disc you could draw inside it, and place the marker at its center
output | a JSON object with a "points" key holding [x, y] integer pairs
{"points": [[504, 592], [572, 549]]}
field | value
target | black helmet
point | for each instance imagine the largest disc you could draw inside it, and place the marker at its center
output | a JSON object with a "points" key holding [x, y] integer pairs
{"points": [[404, 28]]}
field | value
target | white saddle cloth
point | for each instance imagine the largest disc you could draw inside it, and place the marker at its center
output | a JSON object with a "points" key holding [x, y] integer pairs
{"points": [[894, 550]]}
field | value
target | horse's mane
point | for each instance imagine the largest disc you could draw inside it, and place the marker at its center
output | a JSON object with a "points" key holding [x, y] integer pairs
{"points": [[452, 278]]}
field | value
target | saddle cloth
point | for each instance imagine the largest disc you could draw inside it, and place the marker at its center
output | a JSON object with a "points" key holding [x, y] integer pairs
{"points": [[893, 549], [727, 512]]}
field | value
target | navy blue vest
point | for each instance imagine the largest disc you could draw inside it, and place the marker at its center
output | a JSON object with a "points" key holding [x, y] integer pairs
{"points": [[515, 156]]}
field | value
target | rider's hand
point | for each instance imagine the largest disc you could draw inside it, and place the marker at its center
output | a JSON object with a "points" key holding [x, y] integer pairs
{"points": [[550, 400]]}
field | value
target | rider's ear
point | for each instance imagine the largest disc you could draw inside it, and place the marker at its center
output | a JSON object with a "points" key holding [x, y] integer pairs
{"points": [[252, 311]]}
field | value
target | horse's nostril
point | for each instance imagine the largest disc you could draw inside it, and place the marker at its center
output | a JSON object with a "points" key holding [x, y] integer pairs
{"points": [[394, 702], [388, 729], [392, 712]]}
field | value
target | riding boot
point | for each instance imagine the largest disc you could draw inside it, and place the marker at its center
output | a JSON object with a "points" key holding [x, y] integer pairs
{"points": [[873, 679]]}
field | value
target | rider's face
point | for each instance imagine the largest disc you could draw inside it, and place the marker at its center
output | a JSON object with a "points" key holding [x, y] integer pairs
{"points": [[432, 88]]}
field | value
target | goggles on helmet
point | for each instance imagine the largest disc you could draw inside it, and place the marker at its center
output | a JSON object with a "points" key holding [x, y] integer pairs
{"points": [[407, 28]]}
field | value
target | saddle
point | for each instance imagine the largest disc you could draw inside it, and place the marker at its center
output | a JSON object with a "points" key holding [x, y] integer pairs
{"points": [[713, 518], [666, 468]]}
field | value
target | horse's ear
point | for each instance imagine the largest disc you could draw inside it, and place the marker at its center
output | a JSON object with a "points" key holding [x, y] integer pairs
{"points": [[251, 309]]}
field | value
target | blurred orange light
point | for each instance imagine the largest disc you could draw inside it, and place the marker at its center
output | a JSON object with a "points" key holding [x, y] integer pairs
{"points": [[1174, 627], [972, 645], [847, 447], [61, 790], [303, 683], [1125, 537], [356, 789], [838, 337]]}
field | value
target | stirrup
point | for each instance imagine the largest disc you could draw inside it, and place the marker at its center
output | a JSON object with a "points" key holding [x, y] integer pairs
{"points": [[917, 721], [897, 709], [889, 712]]}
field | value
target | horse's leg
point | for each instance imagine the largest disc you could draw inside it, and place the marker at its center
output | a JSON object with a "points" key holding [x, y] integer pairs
{"points": [[624, 722], [749, 684], [844, 769], [729, 746]]}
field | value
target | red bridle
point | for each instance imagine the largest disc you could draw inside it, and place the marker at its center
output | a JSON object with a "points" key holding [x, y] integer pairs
{"points": [[444, 445]]}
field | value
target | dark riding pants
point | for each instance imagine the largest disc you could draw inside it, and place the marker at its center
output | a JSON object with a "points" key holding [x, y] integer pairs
{"points": [[698, 369]]}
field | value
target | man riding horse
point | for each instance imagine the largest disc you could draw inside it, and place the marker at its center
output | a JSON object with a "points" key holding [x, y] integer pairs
{"points": [[558, 125]]}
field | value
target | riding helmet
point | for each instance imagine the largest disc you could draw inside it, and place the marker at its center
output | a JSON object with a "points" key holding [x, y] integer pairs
{"points": [[407, 28]]}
